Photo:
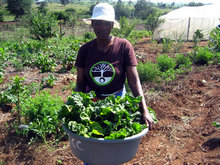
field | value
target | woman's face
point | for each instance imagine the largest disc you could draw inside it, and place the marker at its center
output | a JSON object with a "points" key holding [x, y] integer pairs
{"points": [[102, 28]]}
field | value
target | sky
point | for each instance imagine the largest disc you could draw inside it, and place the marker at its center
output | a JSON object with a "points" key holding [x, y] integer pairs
{"points": [[183, 1]]}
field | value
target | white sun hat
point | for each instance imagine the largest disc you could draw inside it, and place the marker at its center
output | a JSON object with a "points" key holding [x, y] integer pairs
{"points": [[105, 12]]}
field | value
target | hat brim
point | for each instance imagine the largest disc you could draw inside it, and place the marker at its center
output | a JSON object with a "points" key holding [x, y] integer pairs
{"points": [[89, 21]]}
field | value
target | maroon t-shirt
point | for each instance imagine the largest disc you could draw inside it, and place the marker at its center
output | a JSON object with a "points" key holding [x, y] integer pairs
{"points": [[105, 71]]}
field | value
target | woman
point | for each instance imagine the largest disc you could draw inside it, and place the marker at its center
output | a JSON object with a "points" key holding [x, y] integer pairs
{"points": [[104, 63]]}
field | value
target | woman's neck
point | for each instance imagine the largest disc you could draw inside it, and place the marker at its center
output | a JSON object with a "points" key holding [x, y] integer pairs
{"points": [[103, 41], [104, 44]]}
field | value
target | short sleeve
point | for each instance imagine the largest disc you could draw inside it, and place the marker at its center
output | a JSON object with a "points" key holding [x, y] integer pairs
{"points": [[129, 54], [80, 57]]}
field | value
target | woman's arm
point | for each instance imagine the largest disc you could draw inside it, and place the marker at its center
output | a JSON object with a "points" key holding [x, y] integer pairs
{"points": [[135, 86], [81, 82]]}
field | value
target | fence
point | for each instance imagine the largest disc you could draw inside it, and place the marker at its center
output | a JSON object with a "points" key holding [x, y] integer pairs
{"points": [[14, 30]]}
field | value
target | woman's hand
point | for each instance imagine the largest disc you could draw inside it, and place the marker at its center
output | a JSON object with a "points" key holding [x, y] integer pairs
{"points": [[135, 86], [148, 119]]}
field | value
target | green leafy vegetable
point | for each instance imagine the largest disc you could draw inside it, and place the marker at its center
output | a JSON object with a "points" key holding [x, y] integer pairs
{"points": [[110, 118], [216, 124]]}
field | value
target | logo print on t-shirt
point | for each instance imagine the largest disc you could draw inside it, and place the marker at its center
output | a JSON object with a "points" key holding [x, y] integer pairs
{"points": [[102, 73]]}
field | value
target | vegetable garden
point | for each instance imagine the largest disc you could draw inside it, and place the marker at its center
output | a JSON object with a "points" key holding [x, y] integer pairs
{"points": [[181, 82]]}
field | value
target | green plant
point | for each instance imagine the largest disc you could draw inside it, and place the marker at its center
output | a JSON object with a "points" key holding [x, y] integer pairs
{"points": [[182, 60], [153, 20], [214, 40], [43, 26], [178, 44], [19, 8], [89, 36], [168, 75], [111, 118], [41, 115], [167, 43], [70, 55], [45, 63], [125, 28], [216, 58], [165, 63], [137, 35], [202, 56], [17, 64], [1, 16], [17, 89], [148, 72], [197, 36], [216, 124], [1, 74], [48, 81]]}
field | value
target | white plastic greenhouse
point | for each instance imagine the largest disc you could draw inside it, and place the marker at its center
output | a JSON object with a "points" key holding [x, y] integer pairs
{"points": [[183, 22]]}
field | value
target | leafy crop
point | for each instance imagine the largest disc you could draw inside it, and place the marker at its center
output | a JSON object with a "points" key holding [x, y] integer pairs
{"points": [[203, 56], [41, 115], [148, 72], [165, 63], [214, 42], [216, 124], [45, 63], [48, 81], [182, 60], [111, 118]]}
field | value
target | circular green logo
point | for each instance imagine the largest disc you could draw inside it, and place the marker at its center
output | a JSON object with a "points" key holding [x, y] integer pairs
{"points": [[102, 73]]}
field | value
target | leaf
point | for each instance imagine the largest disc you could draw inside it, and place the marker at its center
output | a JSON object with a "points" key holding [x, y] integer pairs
{"points": [[96, 128], [64, 111], [84, 117], [122, 133], [216, 124], [153, 114]]}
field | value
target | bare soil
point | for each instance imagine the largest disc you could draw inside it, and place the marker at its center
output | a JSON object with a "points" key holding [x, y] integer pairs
{"points": [[184, 135]]}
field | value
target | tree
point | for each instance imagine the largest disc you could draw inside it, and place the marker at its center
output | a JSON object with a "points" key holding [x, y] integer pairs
{"points": [[194, 4], [43, 26], [143, 9], [152, 21], [125, 28], [64, 2], [19, 7], [122, 10]]}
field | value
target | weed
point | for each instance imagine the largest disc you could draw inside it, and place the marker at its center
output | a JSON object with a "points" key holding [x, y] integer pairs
{"points": [[167, 44]]}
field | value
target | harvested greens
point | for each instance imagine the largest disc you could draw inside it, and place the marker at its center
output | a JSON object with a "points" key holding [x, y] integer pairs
{"points": [[110, 118]]}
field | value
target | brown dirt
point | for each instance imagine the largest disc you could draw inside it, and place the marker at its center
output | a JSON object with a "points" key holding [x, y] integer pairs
{"points": [[184, 134]]}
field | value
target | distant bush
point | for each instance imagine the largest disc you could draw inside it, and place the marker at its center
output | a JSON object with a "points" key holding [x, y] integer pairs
{"points": [[126, 28], [70, 10], [1, 16], [61, 15], [43, 26], [137, 35], [216, 58], [89, 36]]}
